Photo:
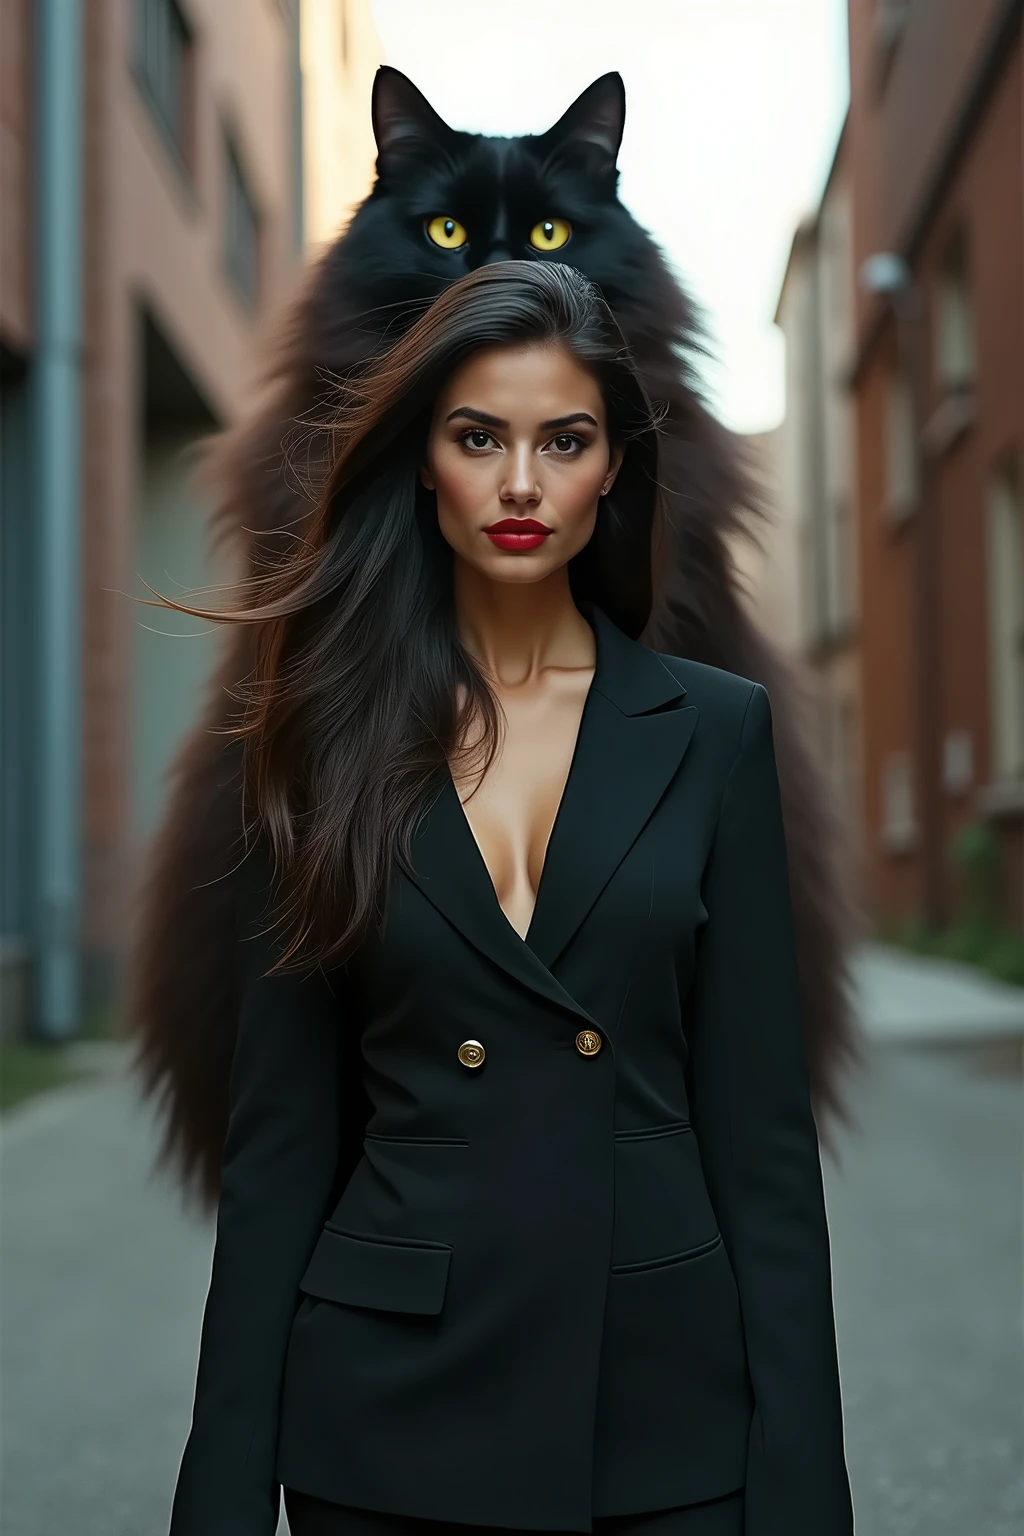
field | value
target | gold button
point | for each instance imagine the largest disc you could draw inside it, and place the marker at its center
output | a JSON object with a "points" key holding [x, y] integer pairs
{"points": [[588, 1042], [471, 1053]]}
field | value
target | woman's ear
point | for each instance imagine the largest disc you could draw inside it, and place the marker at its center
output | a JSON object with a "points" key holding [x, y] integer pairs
{"points": [[426, 478], [615, 457]]}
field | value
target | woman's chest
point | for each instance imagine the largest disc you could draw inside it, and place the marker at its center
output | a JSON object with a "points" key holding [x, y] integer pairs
{"points": [[447, 947], [511, 809]]}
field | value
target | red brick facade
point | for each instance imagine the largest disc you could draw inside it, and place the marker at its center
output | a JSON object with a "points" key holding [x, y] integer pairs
{"points": [[154, 259], [936, 141], [15, 174]]}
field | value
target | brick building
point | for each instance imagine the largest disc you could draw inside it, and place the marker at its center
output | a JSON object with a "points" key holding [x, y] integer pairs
{"points": [[151, 177], [936, 164], [815, 475]]}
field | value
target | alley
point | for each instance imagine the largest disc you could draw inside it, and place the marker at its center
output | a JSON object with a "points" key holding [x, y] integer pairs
{"points": [[104, 1277]]}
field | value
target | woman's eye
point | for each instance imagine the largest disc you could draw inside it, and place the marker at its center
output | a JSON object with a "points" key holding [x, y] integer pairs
{"points": [[567, 443], [447, 232], [550, 234], [476, 437]]}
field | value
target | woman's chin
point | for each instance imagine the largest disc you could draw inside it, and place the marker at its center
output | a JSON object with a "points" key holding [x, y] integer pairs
{"points": [[519, 570]]}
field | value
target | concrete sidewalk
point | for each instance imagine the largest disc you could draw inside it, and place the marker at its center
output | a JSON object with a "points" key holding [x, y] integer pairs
{"points": [[907, 997], [104, 1278]]}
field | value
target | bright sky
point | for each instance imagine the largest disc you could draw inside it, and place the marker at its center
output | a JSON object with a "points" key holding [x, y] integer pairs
{"points": [[733, 108]]}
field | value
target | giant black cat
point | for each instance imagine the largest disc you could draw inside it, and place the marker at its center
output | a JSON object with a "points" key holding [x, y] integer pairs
{"points": [[443, 203]]}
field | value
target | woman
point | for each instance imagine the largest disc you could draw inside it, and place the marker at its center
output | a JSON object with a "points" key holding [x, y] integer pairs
{"points": [[521, 1221]]}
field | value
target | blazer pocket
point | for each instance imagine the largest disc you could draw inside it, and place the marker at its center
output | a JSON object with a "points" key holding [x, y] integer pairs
{"points": [[669, 1260], [416, 1141], [655, 1132], [378, 1273]]}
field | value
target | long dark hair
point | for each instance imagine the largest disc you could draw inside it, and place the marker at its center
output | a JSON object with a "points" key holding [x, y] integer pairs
{"points": [[360, 691]]}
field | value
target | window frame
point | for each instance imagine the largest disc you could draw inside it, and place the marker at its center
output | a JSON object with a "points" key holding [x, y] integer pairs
{"points": [[178, 139], [955, 335], [1005, 605], [901, 466], [237, 180]]}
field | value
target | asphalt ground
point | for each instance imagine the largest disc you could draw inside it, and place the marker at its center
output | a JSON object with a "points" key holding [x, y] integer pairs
{"points": [[103, 1278]]}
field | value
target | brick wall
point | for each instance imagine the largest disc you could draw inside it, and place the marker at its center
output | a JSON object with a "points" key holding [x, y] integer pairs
{"points": [[15, 173], [897, 139]]}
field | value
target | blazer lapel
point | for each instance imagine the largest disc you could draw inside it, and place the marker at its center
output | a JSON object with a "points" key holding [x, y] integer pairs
{"points": [[633, 737], [448, 867]]}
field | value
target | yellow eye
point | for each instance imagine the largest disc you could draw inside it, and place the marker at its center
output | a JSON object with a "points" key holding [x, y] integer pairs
{"points": [[447, 233], [549, 234]]}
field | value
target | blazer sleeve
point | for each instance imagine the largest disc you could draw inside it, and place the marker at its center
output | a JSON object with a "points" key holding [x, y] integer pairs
{"points": [[751, 1112], [278, 1170]]}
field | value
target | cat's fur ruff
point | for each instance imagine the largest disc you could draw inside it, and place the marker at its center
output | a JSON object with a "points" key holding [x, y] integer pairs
{"points": [[371, 282]]}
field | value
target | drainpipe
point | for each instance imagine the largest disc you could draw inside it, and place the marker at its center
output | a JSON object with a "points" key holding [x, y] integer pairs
{"points": [[56, 419]]}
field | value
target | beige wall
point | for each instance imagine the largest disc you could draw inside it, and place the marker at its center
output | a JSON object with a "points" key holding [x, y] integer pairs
{"points": [[838, 598], [167, 230], [769, 565], [811, 476], [153, 241], [340, 55]]}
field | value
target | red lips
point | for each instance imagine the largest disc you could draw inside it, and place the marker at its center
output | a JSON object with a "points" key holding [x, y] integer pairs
{"points": [[518, 533]]}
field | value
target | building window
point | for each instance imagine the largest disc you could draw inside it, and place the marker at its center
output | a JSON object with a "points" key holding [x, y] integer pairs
{"points": [[1006, 613], [17, 682], [842, 556], [957, 762], [889, 26], [242, 229], [163, 67], [891, 19], [901, 471], [954, 341], [899, 828]]}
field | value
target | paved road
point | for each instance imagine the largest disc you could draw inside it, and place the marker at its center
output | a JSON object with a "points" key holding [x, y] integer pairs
{"points": [[925, 1215], [104, 1277], [103, 1282], [906, 997]]}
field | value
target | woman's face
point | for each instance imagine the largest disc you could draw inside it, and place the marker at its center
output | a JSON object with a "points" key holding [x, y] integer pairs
{"points": [[518, 454]]}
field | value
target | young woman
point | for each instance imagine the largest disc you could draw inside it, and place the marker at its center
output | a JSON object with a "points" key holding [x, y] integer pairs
{"points": [[521, 1221]]}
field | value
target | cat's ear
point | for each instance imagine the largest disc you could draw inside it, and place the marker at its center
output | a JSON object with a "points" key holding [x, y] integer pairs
{"points": [[592, 126], [405, 125]]}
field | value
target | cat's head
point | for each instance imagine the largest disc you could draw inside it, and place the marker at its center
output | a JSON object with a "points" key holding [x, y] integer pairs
{"points": [[446, 202]]}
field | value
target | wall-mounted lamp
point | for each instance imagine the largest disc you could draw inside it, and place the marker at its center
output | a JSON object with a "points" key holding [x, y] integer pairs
{"points": [[884, 272]]}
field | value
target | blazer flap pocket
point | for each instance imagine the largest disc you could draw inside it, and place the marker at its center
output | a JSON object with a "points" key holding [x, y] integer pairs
{"points": [[377, 1272]]}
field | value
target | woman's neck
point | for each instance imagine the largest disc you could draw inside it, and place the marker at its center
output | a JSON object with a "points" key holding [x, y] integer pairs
{"points": [[514, 631]]}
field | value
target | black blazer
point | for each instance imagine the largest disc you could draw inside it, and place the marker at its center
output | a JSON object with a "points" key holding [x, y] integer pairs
{"points": [[581, 1266]]}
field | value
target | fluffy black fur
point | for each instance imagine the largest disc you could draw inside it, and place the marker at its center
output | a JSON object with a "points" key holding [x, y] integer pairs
{"points": [[369, 285]]}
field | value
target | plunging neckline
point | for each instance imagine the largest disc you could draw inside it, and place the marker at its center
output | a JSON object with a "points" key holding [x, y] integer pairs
{"points": [[631, 740], [524, 938]]}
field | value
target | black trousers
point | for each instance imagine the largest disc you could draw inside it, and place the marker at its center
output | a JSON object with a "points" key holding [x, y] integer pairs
{"points": [[313, 1517]]}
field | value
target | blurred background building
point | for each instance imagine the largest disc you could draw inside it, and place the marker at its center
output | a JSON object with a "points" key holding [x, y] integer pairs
{"points": [[901, 458], [164, 165], [815, 474], [167, 166], [340, 55], [167, 170]]}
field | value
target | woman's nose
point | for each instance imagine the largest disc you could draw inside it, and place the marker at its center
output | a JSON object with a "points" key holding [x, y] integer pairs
{"points": [[521, 484]]}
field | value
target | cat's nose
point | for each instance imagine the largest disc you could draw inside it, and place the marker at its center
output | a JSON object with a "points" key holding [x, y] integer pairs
{"points": [[499, 251]]}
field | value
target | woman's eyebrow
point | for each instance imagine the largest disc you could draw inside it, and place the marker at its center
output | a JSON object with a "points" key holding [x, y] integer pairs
{"points": [[486, 420], [480, 416], [568, 421]]}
